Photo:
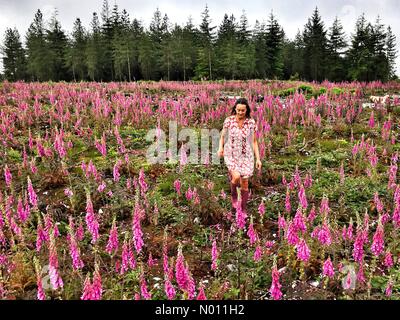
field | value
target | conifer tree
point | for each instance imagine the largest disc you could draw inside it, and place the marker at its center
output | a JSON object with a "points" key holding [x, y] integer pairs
{"points": [[337, 50], [259, 50], [94, 51], [75, 56], [136, 34], [37, 51], [205, 61], [188, 50], [274, 40], [147, 58], [122, 45], [227, 49], [116, 49], [14, 60], [167, 57], [391, 53], [315, 48], [379, 64], [246, 65], [108, 20], [298, 62], [359, 56]]}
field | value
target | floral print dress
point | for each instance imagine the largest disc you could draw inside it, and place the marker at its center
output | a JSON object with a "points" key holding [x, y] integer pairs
{"points": [[238, 149]]}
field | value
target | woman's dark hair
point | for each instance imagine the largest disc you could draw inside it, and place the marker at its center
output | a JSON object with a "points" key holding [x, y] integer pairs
{"points": [[242, 101]]}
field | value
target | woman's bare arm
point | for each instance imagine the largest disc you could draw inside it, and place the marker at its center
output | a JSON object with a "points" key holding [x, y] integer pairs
{"points": [[256, 152], [255, 148], [221, 143]]}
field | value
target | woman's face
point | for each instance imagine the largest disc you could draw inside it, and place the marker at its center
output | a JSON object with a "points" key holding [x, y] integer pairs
{"points": [[241, 111]]}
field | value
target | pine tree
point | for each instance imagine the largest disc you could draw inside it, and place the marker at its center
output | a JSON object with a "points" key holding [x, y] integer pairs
{"points": [[128, 37], [227, 49], [156, 39], [246, 49], [189, 49], [156, 27], [167, 57], [147, 58], [37, 51], [177, 61], [116, 19], [14, 60], [244, 33], [273, 42], [205, 61], [56, 44], [118, 49], [259, 50], [136, 34], [121, 45], [359, 55], [107, 34], [75, 56], [315, 48], [93, 50], [288, 52], [298, 60], [380, 65], [293, 52], [391, 53], [336, 47], [183, 51]]}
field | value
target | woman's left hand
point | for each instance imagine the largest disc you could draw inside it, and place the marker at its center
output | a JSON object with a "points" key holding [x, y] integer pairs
{"points": [[258, 164]]}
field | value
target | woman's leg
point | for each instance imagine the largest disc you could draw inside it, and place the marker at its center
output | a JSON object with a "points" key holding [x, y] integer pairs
{"points": [[244, 192], [244, 184], [235, 181], [235, 177]]}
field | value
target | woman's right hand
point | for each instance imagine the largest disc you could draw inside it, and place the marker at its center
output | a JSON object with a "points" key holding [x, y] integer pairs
{"points": [[220, 153]]}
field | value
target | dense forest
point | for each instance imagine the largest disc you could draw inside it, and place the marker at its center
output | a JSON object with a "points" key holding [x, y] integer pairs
{"points": [[118, 48]]}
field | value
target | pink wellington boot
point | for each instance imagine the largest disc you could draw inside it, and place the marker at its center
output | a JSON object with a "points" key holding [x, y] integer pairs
{"points": [[234, 197], [245, 195]]}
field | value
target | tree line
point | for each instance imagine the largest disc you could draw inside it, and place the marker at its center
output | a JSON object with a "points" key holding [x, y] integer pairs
{"points": [[116, 48]]}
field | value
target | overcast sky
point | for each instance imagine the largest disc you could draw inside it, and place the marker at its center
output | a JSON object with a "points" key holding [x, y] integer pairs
{"points": [[291, 14]]}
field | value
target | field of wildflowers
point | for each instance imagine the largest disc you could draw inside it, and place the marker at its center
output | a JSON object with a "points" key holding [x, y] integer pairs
{"points": [[83, 215]]}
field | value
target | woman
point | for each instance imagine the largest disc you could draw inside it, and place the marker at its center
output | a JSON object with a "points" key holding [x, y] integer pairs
{"points": [[237, 144]]}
